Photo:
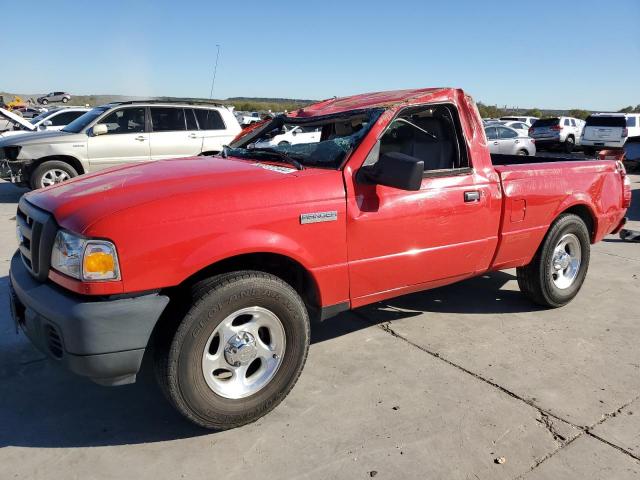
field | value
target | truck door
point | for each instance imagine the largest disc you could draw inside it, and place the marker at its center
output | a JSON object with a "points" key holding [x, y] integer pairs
{"points": [[445, 231]]}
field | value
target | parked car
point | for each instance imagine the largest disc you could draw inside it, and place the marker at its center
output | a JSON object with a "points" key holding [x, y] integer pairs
{"points": [[217, 265], [508, 141], [604, 130], [51, 120], [53, 97], [30, 112], [524, 119], [117, 134], [521, 127], [291, 136], [552, 132], [248, 119]]}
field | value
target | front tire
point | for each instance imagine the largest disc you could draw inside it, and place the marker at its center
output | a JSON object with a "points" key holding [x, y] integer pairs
{"points": [[65, 99], [44, 101], [237, 352], [558, 269], [523, 152], [51, 172]]}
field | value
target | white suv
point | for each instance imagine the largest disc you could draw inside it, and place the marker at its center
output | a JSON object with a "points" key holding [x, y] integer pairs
{"points": [[117, 134], [562, 132]]}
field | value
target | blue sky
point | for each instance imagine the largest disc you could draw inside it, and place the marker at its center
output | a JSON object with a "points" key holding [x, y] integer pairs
{"points": [[538, 53]]}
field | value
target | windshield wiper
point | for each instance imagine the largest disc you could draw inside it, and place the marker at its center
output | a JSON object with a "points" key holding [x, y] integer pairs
{"points": [[281, 155]]}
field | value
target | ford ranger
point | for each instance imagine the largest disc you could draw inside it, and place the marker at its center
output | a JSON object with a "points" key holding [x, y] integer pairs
{"points": [[216, 266]]}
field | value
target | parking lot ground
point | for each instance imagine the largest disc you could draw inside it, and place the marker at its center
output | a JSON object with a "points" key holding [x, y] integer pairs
{"points": [[438, 384]]}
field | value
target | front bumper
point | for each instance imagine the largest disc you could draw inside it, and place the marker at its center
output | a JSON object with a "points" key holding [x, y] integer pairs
{"points": [[103, 339]]}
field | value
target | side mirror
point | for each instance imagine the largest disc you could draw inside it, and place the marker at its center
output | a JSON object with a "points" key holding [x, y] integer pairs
{"points": [[395, 170], [99, 129], [294, 133], [47, 123]]}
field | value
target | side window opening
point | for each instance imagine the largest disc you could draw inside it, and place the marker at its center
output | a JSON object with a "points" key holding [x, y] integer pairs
{"points": [[167, 119], [431, 134], [126, 120], [209, 119]]}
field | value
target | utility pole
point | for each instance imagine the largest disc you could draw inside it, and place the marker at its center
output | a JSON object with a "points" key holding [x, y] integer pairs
{"points": [[215, 69]]}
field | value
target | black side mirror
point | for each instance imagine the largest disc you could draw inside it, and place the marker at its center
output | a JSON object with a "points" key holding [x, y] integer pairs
{"points": [[395, 170]]}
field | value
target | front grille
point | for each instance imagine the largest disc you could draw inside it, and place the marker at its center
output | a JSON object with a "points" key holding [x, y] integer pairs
{"points": [[54, 341], [37, 232]]}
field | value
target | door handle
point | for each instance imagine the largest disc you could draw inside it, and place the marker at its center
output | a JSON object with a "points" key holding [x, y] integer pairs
{"points": [[495, 143], [472, 196], [193, 135], [140, 138]]}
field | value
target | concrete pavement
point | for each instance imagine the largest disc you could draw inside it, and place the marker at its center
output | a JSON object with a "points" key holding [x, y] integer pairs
{"points": [[432, 385]]}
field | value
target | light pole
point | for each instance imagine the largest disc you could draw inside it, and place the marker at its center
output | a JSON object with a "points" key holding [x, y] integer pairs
{"points": [[215, 69]]}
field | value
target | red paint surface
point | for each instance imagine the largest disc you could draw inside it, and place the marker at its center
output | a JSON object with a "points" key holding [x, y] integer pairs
{"points": [[170, 219]]}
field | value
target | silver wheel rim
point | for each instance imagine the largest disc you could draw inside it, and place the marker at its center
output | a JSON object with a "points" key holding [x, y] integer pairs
{"points": [[565, 261], [244, 352], [53, 176]]}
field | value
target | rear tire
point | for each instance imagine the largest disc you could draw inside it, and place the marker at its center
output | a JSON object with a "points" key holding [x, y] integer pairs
{"points": [[544, 280], [44, 101], [569, 144], [51, 172], [226, 397]]}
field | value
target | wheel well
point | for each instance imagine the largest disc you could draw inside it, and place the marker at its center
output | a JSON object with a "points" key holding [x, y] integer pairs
{"points": [[571, 136], [585, 214], [74, 162], [281, 266], [209, 154]]}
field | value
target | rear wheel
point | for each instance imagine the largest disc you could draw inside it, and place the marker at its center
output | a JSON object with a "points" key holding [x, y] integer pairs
{"points": [[51, 172], [237, 352], [557, 271], [569, 144]]}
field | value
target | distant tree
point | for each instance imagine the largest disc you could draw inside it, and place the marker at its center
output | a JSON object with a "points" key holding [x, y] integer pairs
{"points": [[628, 109], [489, 111], [533, 112], [578, 113]]}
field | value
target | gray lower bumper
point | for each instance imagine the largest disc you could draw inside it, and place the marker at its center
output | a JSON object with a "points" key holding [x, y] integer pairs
{"points": [[102, 339]]}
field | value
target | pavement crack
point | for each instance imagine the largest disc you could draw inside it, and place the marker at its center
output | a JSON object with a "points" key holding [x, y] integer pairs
{"points": [[546, 417], [549, 425]]}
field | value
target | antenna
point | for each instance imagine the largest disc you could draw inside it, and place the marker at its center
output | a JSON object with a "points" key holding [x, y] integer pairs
{"points": [[215, 69]]}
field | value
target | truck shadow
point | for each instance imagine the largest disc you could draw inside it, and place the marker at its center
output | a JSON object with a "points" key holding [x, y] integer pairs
{"points": [[43, 406], [9, 193], [481, 295]]}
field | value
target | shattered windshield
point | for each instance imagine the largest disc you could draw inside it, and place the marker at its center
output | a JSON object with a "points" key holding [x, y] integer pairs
{"points": [[323, 142]]}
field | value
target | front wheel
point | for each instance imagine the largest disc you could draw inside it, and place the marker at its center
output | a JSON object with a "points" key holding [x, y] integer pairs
{"points": [[523, 152], [65, 99], [44, 101], [558, 269], [237, 352], [51, 172]]}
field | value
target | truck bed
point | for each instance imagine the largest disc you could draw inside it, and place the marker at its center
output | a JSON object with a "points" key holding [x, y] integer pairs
{"points": [[499, 159], [537, 189]]}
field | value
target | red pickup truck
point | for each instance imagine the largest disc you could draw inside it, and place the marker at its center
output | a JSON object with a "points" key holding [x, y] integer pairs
{"points": [[220, 263]]}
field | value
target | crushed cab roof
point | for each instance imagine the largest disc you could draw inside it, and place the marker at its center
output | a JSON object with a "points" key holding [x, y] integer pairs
{"points": [[369, 100]]}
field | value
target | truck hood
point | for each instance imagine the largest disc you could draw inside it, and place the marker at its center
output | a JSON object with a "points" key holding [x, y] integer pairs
{"points": [[16, 119], [202, 186], [48, 137]]}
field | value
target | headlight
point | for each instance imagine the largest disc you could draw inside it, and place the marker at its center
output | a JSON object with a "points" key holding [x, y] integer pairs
{"points": [[84, 259]]}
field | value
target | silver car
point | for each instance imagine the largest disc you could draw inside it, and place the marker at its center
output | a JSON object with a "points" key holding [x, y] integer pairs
{"points": [[63, 97], [507, 141]]}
